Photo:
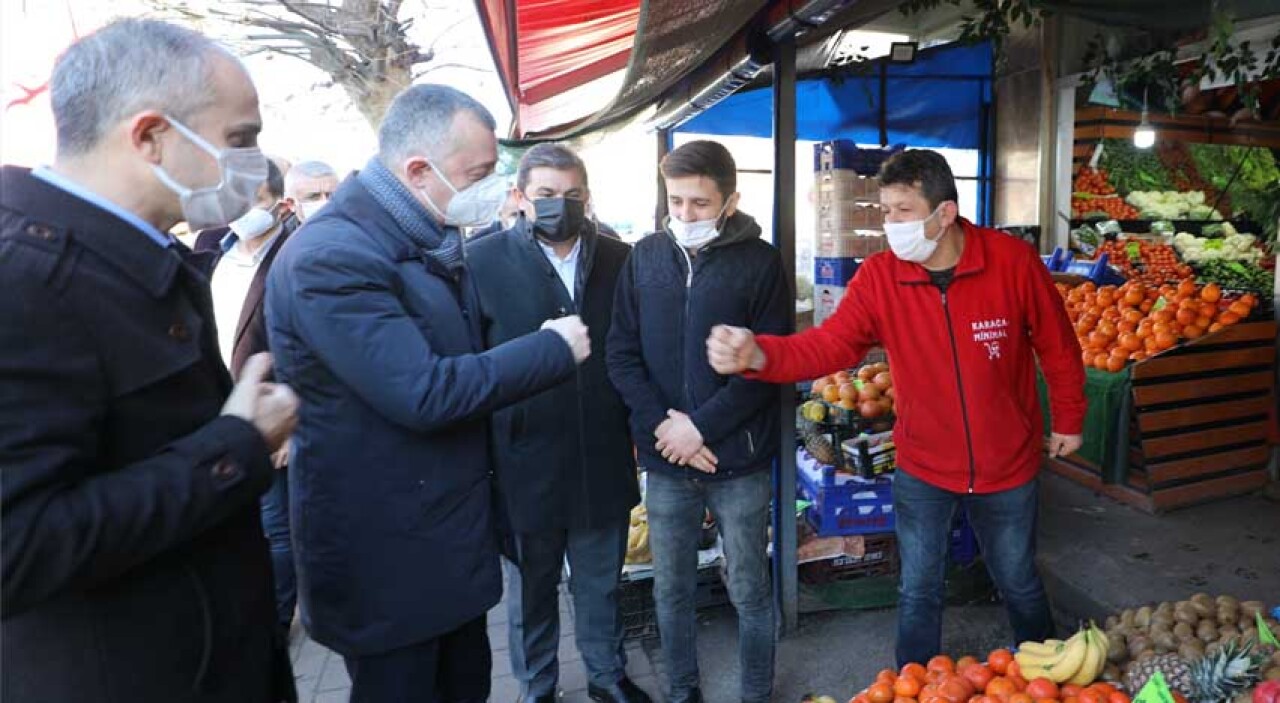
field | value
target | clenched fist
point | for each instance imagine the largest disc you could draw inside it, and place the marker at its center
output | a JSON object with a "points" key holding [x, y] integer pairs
{"points": [[271, 407], [574, 333], [732, 350]]}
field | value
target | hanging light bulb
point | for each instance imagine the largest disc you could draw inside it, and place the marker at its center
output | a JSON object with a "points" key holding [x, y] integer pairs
{"points": [[1144, 137]]}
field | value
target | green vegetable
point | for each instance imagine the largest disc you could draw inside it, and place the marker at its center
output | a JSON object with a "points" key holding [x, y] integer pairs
{"points": [[1235, 275], [1131, 168]]}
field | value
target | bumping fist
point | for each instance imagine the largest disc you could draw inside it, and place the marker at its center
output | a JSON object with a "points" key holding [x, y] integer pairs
{"points": [[574, 333], [271, 407], [732, 350]]}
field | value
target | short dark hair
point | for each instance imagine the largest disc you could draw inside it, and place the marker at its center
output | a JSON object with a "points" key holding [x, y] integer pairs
{"points": [[547, 155], [275, 180], [703, 158], [923, 169]]}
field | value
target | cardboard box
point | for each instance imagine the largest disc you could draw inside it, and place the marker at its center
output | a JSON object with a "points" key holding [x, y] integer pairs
{"points": [[858, 244], [845, 215]]}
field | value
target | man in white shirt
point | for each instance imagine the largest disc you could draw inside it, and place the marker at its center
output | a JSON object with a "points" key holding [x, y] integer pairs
{"points": [[238, 285], [563, 458]]}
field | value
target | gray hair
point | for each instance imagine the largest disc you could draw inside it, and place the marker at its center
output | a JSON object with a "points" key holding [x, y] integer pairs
{"points": [[547, 155], [128, 66], [306, 169], [419, 120]]}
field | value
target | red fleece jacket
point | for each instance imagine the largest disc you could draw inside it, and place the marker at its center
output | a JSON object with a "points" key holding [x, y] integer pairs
{"points": [[963, 367]]}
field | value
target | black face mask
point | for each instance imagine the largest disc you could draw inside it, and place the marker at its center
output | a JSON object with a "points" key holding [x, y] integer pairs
{"points": [[559, 219]]}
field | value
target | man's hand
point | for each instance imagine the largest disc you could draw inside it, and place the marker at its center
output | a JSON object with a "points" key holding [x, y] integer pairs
{"points": [[732, 350], [704, 461], [679, 440], [1064, 444], [271, 407], [574, 333], [281, 458]]}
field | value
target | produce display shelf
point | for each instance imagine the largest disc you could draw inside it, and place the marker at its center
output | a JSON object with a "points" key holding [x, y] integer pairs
{"points": [[1198, 425], [1096, 123]]}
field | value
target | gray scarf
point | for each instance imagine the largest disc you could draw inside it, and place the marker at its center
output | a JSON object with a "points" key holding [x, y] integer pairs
{"points": [[413, 218]]}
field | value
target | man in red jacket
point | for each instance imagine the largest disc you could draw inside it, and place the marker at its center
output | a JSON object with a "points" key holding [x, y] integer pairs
{"points": [[964, 313]]}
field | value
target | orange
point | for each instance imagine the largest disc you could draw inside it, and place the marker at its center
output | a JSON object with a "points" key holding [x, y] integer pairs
{"points": [[887, 677], [1204, 321], [880, 693], [1000, 685], [966, 660], [1228, 318], [1100, 361], [1070, 699], [978, 675], [915, 671], [1021, 697], [1165, 341], [1070, 690], [1018, 682], [956, 689], [1042, 688], [1091, 696], [1047, 700], [941, 663], [1211, 293], [1131, 342], [1115, 364], [1240, 308], [1186, 316], [831, 394], [907, 686], [1192, 332], [999, 661], [1208, 310]]}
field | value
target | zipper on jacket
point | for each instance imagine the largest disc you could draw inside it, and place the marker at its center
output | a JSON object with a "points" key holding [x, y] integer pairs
{"points": [[964, 410], [691, 472], [751, 443]]}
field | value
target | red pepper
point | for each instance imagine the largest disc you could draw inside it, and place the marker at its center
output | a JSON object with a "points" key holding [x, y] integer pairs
{"points": [[1267, 692]]}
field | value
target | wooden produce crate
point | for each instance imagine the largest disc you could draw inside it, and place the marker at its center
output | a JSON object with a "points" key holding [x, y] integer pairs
{"points": [[1198, 425]]}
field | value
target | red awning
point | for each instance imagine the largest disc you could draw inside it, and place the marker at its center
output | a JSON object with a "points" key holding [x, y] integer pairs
{"points": [[571, 66], [550, 50]]}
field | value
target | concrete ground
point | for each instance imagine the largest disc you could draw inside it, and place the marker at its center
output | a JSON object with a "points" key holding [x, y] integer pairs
{"points": [[1097, 556]]}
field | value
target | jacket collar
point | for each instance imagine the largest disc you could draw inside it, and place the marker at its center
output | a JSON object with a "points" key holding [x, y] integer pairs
{"points": [[116, 241], [589, 237], [972, 259]]}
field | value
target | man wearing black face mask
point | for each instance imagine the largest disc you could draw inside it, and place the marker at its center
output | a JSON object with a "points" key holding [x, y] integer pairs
{"points": [[563, 458]]}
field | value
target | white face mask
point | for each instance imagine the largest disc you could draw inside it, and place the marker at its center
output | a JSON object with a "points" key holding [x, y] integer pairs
{"points": [[473, 206], [309, 209], [908, 240], [695, 235], [242, 172], [253, 224]]}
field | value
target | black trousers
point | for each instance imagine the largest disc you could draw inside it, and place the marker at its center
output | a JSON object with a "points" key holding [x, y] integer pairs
{"points": [[452, 668]]}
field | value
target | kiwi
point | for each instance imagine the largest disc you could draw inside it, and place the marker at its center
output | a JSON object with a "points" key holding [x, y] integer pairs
{"points": [[1165, 607], [1228, 616], [1208, 636], [1212, 648], [1116, 645], [1202, 597], [1227, 602], [1139, 644], [1230, 631], [1162, 620], [1250, 609], [1164, 641], [1187, 615], [1145, 655], [1126, 617], [1183, 631], [1142, 618], [1112, 673], [1112, 621], [1191, 650], [1202, 609]]}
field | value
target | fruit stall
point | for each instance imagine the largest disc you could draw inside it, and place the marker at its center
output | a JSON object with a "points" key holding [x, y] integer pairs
{"points": [[1199, 650]]}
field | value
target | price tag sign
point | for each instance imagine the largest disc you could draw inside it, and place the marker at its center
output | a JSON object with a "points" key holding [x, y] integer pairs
{"points": [[1265, 635], [1156, 691], [1213, 244], [858, 383], [1135, 251], [1160, 303]]}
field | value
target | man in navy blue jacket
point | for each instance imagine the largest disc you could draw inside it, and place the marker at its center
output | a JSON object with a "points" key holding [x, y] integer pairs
{"points": [[707, 441], [374, 316]]}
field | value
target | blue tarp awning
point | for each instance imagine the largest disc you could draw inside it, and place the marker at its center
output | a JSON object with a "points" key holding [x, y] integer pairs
{"points": [[938, 101]]}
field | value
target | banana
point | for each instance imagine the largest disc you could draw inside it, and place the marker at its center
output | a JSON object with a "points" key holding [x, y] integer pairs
{"points": [[1065, 666], [1094, 661], [1045, 648]]}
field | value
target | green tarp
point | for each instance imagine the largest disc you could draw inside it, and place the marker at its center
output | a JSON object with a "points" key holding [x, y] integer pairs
{"points": [[1106, 423]]}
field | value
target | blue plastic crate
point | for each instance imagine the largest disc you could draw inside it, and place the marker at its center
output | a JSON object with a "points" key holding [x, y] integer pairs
{"points": [[843, 504], [1097, 270]]}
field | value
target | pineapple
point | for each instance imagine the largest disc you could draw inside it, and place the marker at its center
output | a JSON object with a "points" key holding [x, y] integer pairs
{"points": [[1177, 673], [1220, 677], [818, 444]]}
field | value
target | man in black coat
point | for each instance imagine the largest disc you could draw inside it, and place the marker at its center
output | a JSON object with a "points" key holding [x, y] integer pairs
{"points": [[564, 461], [374, 318], [238, 284], [134, 566]]}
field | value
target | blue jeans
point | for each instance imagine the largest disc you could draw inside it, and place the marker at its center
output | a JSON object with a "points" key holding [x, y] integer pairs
{"points": [[275, 524], [1005, 524], [533, 604], [741, 509]]}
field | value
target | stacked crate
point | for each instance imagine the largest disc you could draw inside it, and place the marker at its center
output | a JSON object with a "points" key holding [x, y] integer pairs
{"points": [[849, 224]]}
